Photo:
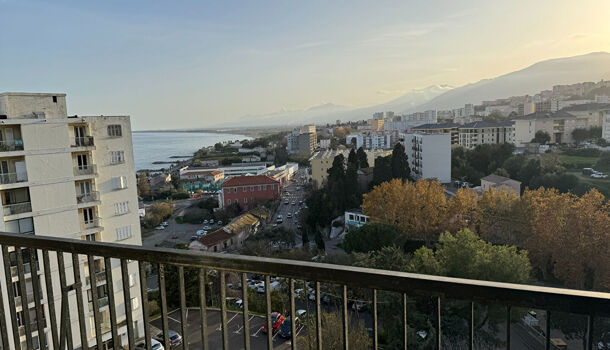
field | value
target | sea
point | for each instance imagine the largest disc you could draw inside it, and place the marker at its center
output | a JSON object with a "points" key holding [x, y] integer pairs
{"points": [[149, 147]]}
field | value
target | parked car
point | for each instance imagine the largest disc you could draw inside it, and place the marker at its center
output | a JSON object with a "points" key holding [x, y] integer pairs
{"points": [[211, 221], [160, 227], [165, 223], [286, 202], [289, 215], [294, 203], [154, 345], [194, 238], [219, 222], [175, 338], [205, 221], [207, 227], [276, 321]]}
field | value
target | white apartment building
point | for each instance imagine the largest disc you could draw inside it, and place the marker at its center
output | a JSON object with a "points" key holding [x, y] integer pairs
{"points": [[370, 141], [68, 177], [559, 125], [606, 126], [412, 120], [429, 156]]}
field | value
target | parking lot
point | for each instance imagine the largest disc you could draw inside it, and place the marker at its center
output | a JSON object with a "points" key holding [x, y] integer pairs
{"points": [[258, 339]]}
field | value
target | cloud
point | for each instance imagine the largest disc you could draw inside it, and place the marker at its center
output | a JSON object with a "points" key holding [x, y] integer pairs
{"points": [[394, 35], [391, 92], [577, 36], [311, 45]]}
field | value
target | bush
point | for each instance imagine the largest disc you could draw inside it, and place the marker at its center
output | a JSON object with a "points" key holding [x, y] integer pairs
{"points": [[582, 152], [372, 237]]}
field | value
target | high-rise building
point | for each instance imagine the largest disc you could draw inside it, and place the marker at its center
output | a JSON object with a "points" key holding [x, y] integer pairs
{"points": [[429, 156], [302, 140], [69, 177]]}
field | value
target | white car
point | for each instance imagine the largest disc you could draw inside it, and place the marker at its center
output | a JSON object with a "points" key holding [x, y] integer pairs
{"points": [[201, 233], [160, 227], [165, 223], [154, 345]]}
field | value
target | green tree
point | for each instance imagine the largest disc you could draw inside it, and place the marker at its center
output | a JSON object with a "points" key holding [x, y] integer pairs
{"points": [[332, 334], [580, 134], [372, 237], [143, 185], [382, 172], [542, 137], [529, 170], [363, 161], [400, 163], [335, 186]]}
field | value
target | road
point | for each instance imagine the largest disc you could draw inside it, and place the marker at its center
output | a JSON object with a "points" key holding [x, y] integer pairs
{"points": [[290, 195]]}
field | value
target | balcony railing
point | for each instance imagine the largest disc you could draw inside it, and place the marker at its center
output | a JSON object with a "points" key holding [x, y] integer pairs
{"points": [[17, 208], [85, 170], [88, 197], [13, 145], [84, 141], [441, 290], [91, 223], [11, 178]]}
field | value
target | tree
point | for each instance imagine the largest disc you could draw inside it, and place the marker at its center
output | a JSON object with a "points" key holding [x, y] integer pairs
{"points": [[143, 185], [542, 137], [335, 186], [501, 172], [332, 334], [461, 210], [529, 170], [363, 161], [382, 171], [399, 163], [417, 209], [465, 255], [352, 158], [580, 134], [372, 237]]}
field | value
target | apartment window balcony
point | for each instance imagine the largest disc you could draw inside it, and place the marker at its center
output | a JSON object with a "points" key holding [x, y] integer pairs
{"points": [[439, 293], [17, 208], [91, 224], [88, 197], [85, 170], [12, 145], [11, 178], [84, 141]]}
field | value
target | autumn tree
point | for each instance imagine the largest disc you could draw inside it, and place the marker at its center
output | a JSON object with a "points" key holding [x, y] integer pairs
{"points": [[500, 217], [461, 210], [417, 209], [143, 185]]}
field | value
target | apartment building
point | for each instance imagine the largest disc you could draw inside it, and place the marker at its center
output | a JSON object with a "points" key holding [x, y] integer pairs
{"points": [[482, 133], [323, 160], [606, 126], [376, 124], [249, 190], [445, 128], [69, 177], [373, 140], [559, 125], [302, 140], [429, 156]]}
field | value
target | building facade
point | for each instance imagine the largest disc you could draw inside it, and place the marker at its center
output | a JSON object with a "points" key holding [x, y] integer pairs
{"points": [[483, 133], [247, 191], [429, 156], [69, 177], [302, 140], [322, 161], [559, 125], [445, 128], [606, 126], [371, 141]]}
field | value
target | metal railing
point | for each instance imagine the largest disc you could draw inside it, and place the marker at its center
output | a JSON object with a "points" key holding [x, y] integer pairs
{"points": [[11, 178], [87, 197], [84, 141], [91, 223], [17, 208], [90, 169], [13, 145], [440, 289]]}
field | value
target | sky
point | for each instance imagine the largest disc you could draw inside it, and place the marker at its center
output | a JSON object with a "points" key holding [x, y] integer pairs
{"points": [[198, 64]]}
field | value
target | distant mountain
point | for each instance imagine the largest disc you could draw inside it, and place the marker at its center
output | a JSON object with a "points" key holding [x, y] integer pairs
{"points": [[528, 81]]}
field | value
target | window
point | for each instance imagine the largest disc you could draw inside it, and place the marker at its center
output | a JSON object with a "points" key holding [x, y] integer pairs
{"points": [[54, 99], [245, 200], [251, 188], [115, 130], [121, 208], [89, 237], [259, 187], [264, 187], [123, 233], [228, 190], [236, 200], [229, 202], [135, 304], [235, 189], [25, 225], [245, 189], [120, 182], [117, 157]]}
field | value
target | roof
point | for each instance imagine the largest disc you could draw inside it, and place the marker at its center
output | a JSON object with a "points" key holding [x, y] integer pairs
{"points": [[211, 239], [202, 172], [587, 107], [482, 124], [497, 179], [241, 222], [249, 180], [547, 115], [437, 126]]}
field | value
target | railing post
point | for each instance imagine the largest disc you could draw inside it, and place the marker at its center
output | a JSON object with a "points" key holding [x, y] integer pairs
{"points": [[269, 325], [405, 325], [345, 319], [223, 310], [318, 316], [164, 320], [183, 317], [65, 328], [127, 301], [25, 307], [547, 335], [244, 298], [3, 323], [111, 301], [375, 330], [11, 297], [42, 339], [508, 327], [590, 324], [50, 298], [203, 311], [80, 302], [293, 315], [438, 324], [97, 319], [145, 308]]}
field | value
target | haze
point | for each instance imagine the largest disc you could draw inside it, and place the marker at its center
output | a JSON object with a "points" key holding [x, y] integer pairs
{"points": [[193, 64]]}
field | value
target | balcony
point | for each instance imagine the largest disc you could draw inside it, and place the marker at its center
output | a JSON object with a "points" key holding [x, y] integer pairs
{"points": [[85, 141], [88, 197], [91, 224], [85, 170], [11, 178], [12, 145], [440, 292], [17, 208]]}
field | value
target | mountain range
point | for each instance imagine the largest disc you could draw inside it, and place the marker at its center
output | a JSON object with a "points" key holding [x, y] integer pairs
{"points": [[528, 81]]}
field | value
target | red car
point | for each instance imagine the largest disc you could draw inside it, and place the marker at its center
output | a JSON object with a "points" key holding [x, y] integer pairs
{"points": [[276, 321]]}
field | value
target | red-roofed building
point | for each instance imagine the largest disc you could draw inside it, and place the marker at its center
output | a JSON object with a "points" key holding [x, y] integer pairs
{"points": [[248, 190]]}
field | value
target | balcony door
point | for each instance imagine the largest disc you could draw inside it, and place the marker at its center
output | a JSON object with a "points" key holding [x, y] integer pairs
{"points": [[83, 161], [85, 188], [79, 134], [88, 215]]}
